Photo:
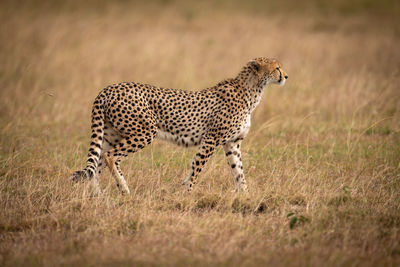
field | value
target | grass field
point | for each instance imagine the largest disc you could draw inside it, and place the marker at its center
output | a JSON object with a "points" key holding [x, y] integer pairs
{"points": [[322, 158]]}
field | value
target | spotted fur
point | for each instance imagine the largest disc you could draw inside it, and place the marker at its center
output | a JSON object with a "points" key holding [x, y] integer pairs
{"points": [[127, 116]]}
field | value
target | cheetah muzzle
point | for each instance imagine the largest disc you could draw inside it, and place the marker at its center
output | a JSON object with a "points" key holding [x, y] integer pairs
{"points": [[127, 116]]}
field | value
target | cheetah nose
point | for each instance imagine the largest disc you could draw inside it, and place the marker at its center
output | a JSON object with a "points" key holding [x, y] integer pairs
{"points": [[286, 76]]}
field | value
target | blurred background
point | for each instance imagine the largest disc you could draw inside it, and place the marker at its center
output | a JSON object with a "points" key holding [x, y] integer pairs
{"points": [[340, 54], [325, 146]]}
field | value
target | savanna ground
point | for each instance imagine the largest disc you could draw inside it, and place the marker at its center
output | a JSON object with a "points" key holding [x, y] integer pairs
{"points": [[321, 159]]}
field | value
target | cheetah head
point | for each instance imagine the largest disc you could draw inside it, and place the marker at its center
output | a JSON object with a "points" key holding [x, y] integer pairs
{"points": [[267, 71]]}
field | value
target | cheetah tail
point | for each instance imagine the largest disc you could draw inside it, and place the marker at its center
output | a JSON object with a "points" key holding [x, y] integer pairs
{"points": [[96, 142]]}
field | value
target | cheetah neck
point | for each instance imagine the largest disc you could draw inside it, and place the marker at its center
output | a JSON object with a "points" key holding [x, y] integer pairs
{"points": [[250, 84]]}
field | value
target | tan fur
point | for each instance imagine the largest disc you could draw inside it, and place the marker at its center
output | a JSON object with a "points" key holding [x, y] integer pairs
{"points": [[128, 116]]}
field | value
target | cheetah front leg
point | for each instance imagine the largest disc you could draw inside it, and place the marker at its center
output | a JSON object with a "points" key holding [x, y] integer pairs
{"points": [[234, 158], [205, 151]]}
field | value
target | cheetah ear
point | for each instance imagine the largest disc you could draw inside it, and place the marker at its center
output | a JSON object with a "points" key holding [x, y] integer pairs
{"points": [[254, 65]]}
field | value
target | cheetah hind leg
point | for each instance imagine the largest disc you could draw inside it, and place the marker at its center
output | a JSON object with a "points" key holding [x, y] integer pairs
{"points": [[113, 165], [83, 175], [114, 156]]}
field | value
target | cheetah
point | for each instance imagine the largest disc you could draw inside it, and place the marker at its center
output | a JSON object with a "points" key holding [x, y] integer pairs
{"points": [[127, 116]]}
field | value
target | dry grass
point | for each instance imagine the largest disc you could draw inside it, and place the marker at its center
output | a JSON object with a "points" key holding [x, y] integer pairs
{"points": [[322, 157]]}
